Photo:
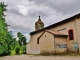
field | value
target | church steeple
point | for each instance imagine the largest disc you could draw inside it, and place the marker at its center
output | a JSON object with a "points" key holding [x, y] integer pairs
{"points": [[39, 19], [39, 24]]}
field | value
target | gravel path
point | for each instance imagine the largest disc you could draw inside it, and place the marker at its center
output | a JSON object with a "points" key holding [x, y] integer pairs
{"points": [[31, 57]]}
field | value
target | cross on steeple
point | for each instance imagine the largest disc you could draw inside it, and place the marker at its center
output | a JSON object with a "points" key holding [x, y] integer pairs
{"points": [[39, 17]]}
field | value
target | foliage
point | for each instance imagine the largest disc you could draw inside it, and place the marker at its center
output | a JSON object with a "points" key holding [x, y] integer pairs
{"points": [[22, 41], [7, 42], [24, 49], [3, 31], [17, 50], [13, 52]]}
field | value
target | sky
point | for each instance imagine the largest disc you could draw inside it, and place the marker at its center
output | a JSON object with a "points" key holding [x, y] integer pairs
{"points": [[22, 14]]}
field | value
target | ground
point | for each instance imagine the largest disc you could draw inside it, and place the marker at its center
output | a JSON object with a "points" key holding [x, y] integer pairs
{"points": [[32, 57]]}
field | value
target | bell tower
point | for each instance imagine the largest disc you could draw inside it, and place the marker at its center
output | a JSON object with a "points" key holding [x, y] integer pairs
{"points": [[39, 24]]}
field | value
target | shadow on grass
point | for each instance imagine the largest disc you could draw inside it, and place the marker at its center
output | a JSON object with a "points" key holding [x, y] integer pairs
{"points": [[5, 54]]}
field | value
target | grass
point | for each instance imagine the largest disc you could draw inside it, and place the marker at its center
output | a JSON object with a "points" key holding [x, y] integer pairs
{"points": [[13, 52]]}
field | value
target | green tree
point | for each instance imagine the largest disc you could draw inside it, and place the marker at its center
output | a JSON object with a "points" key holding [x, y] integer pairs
{"points": [[6, 38], [10, 41], [19, 35], [22, 38], [22, 41], [3, 29], [17, 50]]}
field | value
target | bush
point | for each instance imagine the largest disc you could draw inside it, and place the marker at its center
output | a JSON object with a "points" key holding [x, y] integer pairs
{"points": [[24, 49], [17, 50]]}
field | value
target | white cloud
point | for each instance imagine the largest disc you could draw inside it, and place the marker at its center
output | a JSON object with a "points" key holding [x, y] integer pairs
{"points": [[25, 6], [23, 9]]}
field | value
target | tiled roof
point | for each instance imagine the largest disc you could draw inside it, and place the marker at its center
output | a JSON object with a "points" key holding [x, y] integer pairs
{"points": [[56, 33]]}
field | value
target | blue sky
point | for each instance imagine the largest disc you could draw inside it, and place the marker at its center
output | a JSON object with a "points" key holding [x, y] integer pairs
{"points": [[22, 14]]}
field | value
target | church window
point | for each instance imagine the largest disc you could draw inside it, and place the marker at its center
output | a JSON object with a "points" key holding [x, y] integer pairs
{"points": [[39, 25], [71, 35], [37, 40]]}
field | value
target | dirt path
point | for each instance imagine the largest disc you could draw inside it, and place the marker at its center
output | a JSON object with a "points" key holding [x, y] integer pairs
{"points": [[31, 57]]}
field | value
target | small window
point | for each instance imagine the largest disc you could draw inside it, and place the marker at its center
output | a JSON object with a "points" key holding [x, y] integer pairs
{"points": [[71, 36], [39, 26], [37, 40]]}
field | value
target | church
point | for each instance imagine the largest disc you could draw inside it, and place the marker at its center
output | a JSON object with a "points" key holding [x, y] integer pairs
{"points": [[61, 37]]}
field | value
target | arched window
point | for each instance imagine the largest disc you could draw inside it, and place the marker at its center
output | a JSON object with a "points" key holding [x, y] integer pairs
{"points": [[71, 35], [37, 40], [39, 26]]}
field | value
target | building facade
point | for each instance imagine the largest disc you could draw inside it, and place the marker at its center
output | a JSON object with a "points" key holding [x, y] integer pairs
{"points": [[68, 42]]}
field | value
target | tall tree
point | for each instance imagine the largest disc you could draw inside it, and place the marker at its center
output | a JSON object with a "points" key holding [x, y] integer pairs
{"points": [[22, 41], [3, 29], [6, 38], [22, 38], [19, 35]]}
